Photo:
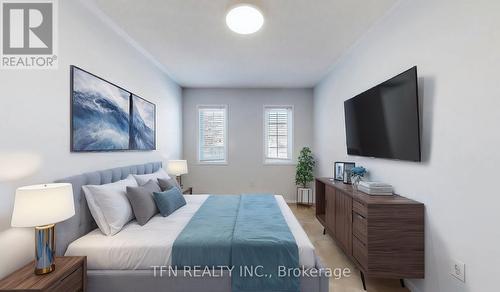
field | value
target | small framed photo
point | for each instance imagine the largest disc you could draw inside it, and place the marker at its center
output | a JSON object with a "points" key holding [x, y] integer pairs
{"points": [[338, 171], [348, 166]]}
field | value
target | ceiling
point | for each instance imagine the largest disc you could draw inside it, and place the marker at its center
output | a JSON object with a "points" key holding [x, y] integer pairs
{"points": [[298, 44]]}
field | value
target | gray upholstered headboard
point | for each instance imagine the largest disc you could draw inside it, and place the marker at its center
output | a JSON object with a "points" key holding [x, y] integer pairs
{"points": [[82, 223]]}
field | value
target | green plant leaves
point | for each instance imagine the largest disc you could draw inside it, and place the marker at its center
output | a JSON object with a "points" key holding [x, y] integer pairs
{"points": [[305, 167]]}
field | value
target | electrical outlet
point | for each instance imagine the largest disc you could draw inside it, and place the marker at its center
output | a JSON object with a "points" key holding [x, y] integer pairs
{"points": [[458, 270]]}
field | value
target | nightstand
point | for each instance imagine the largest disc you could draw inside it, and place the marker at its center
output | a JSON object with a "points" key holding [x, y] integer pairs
{"points": [[188, 191], [70, 275]]}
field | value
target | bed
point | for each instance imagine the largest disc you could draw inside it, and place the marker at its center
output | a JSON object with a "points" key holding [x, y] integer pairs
{"points": [[125, 261]]}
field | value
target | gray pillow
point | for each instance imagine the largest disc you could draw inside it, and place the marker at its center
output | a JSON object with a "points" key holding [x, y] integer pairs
{"points": [[141, 199], [167, 184]]}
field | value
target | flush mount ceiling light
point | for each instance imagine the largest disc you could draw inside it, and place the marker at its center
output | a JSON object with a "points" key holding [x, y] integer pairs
{"points": [[244, 19]]}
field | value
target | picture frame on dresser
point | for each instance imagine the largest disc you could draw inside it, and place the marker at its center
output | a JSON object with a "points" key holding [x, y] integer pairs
{"points": [[348, 166], [339, 171]]}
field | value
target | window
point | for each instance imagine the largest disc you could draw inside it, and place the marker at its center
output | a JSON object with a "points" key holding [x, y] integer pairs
{"points": [[212, 134], [278, 129]]}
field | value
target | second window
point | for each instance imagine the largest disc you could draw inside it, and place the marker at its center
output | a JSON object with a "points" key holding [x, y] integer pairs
{"points": [[278, 129]]}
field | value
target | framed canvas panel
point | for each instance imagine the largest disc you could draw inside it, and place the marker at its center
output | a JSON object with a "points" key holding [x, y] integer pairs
{"points": [[142, 124], [100, 114]]}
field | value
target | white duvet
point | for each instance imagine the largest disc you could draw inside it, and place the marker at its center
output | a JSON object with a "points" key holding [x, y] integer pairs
{"points": [[138, 247]]}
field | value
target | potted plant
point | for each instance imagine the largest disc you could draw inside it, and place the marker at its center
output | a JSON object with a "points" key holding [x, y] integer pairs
{"points": [[304, 175]]}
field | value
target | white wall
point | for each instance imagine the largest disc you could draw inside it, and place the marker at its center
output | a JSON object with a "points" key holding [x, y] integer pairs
{"points": [[245, 171], [35, 117], [456, 45]]}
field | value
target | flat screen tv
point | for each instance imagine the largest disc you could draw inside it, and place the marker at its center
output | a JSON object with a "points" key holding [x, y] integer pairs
{"points": [[383, 121]]}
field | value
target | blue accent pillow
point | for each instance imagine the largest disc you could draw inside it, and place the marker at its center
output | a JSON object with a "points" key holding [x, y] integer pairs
{"points": [[169, 201]]}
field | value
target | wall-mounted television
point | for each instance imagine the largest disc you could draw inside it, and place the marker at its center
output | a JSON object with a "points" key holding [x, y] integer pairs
{"points": [[383, 121]]}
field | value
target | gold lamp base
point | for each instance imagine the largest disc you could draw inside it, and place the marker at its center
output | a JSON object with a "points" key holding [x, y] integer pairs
{"points": [[45, 261], [179, 180], [44, 271]]}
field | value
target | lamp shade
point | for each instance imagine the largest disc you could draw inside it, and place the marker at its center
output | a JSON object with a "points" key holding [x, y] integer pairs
{"points": [[177, 167], [40, 205]]}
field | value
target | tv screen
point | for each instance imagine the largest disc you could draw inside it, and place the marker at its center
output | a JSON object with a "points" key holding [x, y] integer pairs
{"points": [[383, 121]]}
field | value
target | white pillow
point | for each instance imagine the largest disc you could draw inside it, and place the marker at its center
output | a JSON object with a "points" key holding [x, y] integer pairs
{"points": [[109, 205], [144, 178]]}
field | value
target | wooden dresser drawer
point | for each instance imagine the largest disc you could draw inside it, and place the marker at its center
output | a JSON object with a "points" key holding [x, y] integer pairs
{"points": [[72, 283], [359, 227], [359, 252], [359, 208]]}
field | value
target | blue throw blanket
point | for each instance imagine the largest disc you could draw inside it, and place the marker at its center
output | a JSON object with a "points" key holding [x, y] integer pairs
{"points": [[262, 238], [206, 239], [247, 232]]}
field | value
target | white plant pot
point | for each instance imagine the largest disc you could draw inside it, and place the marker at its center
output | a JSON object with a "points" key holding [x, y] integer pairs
{"points": [[304, 196]]}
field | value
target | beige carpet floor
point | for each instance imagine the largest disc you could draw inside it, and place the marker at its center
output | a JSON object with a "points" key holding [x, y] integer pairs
{"points": [[333, 257]]}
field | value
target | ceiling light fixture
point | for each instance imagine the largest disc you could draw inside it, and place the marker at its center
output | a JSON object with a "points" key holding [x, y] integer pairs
{"points": [[244, 19]]}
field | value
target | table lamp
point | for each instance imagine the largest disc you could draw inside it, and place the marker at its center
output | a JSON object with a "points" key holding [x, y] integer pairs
{"points": [[42, 206], [177, 168]]}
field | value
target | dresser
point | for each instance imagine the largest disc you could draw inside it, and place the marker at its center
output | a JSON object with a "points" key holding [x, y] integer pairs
{"points": [[382, 235]]}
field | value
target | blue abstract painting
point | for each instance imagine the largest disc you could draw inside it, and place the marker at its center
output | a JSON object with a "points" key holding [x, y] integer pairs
{"points": [[100, 114], [142, 130]]}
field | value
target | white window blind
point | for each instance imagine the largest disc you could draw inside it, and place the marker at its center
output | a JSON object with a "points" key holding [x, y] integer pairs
{"points": [[278, 133], [212, 134]]}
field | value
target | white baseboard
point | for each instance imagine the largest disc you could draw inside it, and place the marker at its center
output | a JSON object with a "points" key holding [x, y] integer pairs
{"points": [[295, 202]]}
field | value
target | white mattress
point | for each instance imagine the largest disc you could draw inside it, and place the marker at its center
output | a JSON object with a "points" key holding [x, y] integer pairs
{"points": [[138, 247]]}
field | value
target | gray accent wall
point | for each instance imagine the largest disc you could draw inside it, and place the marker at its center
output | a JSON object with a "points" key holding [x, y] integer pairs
{"points": [[245, 170]]}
